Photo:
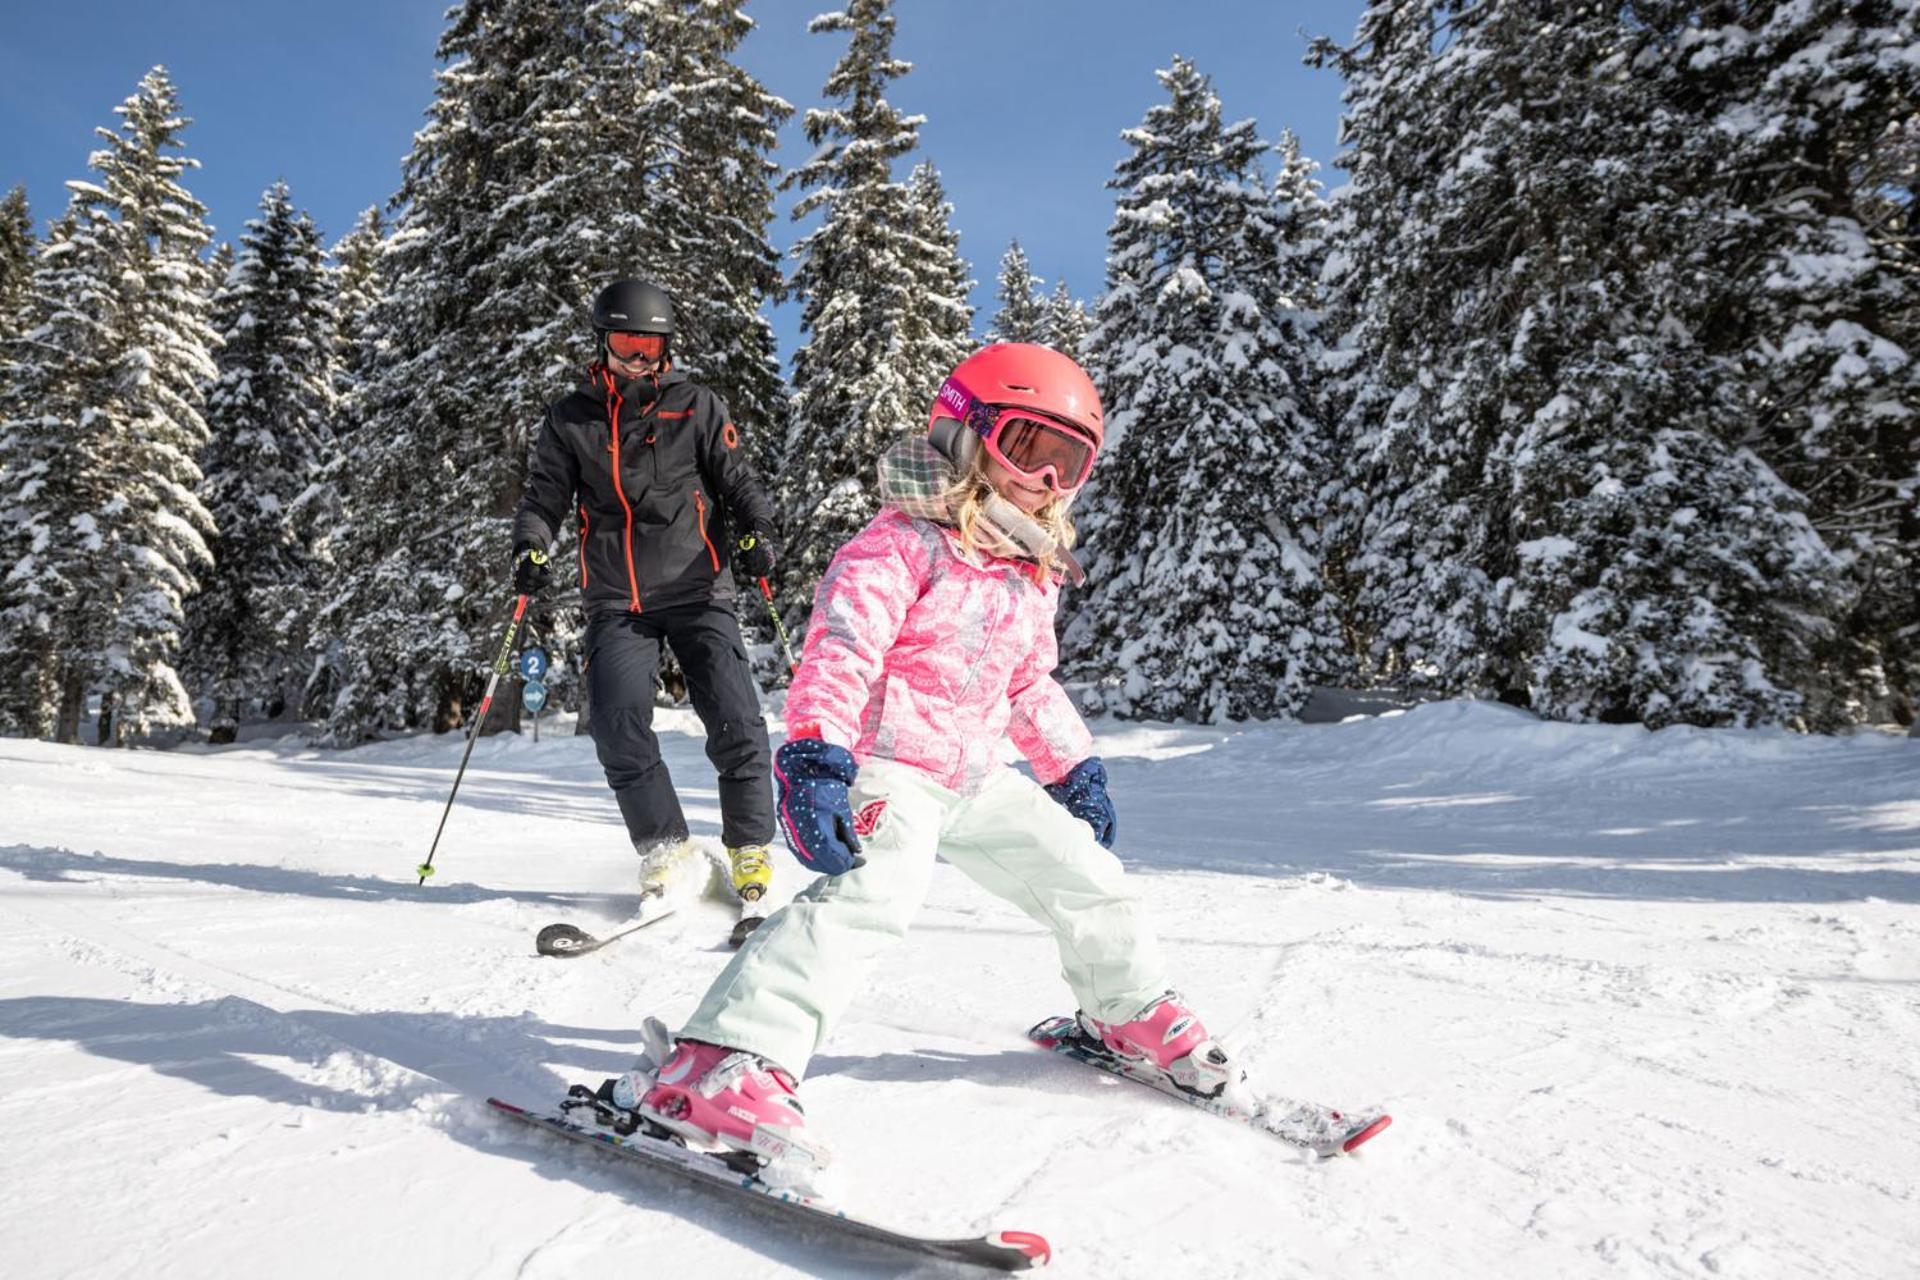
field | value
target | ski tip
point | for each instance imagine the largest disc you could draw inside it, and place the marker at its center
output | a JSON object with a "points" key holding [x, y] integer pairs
{"points": [[1035, 1247], [743, 930], [564, 940], [499, 1104], [1370, 1131]]}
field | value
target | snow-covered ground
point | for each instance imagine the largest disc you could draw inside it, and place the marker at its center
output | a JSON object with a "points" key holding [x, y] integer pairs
{"points": [[1641, 1004]]}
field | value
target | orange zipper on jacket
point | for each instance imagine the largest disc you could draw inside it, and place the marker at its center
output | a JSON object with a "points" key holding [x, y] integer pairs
{"points": [[700, 515], [613, 416], [583, 546]]}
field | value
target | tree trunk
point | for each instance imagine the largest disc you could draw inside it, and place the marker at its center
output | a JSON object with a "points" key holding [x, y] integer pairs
{"points": [[226, 722], [449, 712], [73, 708], [504, 715], [104, 735]]}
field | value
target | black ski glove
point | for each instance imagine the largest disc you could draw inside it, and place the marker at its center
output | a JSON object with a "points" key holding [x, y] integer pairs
{"points": [[756, 554], [532, 571]]}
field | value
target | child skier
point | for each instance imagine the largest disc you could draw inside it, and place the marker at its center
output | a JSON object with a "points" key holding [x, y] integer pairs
{"points": [[932, 637]]}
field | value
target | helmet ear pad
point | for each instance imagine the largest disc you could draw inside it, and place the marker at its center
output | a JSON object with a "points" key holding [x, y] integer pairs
{"points": [[955, 440]]}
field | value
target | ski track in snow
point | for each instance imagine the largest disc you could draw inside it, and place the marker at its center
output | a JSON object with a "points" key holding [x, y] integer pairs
{"points": [[1641, 1004]]}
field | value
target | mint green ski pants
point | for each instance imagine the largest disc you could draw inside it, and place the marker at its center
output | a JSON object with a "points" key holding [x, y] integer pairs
{"points": [[786, 988]]}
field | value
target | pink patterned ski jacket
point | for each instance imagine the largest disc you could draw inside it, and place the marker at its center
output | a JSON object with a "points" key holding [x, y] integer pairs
{"points": [[922, 654]]}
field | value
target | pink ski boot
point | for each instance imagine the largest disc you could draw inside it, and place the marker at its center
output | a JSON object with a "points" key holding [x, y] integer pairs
{"points": [[716, 1096], [1169, 1037]]}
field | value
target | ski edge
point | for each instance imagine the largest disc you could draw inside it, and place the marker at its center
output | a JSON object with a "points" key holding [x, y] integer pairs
{"points": [[1058, 1035], [997, 1250]]}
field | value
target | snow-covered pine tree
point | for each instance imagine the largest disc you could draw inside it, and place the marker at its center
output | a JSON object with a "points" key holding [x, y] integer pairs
{"points": [[1354, 401], [518, 201], [17, 247], [16, 269], [44, 466], [1655, 566], [940, 328], [708, 191], [1416, 488], [219, 267], [270, 418], [1540, 398], [1302, 218], [1304, 221], [221, 314], [1024, 314], [1206, 599], [358, 276], [855, 389], [358, 284], [100, 526], [1068, 323], [1810, 132]]}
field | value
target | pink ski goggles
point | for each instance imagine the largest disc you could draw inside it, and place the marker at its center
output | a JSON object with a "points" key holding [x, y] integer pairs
{"points": [[1039, 449], [1036, 448]]}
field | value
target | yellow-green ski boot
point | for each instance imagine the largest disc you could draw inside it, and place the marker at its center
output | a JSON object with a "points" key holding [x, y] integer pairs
{"points": [[668, 870], [750, 867]]}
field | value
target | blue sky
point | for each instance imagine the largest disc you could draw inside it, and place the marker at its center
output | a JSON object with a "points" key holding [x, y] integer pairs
{"points": [[1024, 99]]}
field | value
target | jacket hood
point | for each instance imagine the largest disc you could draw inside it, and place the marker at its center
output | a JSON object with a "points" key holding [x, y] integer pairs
{"points": [[914, 479]]}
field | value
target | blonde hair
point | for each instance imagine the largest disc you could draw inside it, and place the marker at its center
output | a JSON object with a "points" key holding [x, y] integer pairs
{"points": [[966, 499]]}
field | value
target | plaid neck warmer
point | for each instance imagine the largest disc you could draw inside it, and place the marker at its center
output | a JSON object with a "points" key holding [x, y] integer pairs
{"points": [[915, 478]]}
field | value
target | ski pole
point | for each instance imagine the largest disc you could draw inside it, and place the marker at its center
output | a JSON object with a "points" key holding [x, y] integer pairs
{"points": [[501, 663], [778, 625]]}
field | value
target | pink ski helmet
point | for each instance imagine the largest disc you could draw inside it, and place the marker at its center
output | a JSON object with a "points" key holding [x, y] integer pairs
{"points": [[999, 386]]}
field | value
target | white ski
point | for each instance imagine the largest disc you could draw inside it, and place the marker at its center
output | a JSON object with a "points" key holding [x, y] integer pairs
{"points": [[1309, 1125]]}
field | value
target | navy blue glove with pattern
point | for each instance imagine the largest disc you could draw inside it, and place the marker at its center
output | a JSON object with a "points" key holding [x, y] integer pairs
{"points": [[1083, 792], [815, 811]]}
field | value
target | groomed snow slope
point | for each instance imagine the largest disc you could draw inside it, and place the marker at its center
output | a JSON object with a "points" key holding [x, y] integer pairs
{"points": [[1641, 1004]]}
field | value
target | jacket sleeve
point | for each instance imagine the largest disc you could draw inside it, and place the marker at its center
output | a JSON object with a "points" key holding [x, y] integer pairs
{"points": [[723, 457], [858, 611], [552, 477], [1045, 725]]}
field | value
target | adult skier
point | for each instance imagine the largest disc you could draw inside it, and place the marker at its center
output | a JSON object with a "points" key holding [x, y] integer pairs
{"points": [[933, 637], [655, 467]]}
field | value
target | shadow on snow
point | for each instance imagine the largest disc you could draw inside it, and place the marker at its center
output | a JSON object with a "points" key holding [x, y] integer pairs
{"points": [[231, 1045], [64, 865]]}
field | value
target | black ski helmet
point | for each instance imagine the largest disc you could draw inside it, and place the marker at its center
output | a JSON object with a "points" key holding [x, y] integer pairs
{"points": [[633, 306]]}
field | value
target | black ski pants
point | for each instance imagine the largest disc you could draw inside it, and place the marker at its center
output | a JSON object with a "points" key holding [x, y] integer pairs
{"points": [[623, 653]]}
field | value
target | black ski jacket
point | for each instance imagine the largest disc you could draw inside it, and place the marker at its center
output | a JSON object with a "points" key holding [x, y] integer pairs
{"points": [[658, 478]]}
